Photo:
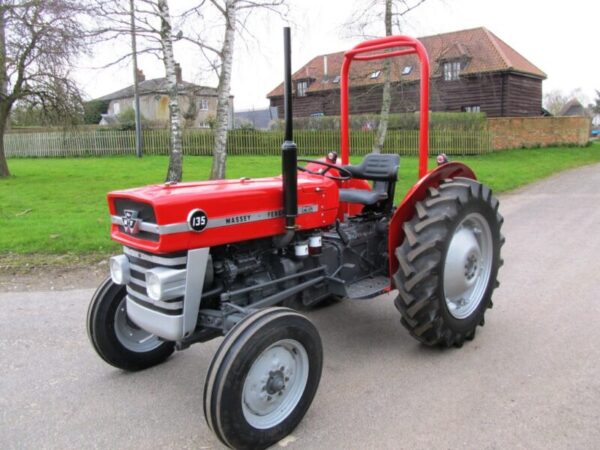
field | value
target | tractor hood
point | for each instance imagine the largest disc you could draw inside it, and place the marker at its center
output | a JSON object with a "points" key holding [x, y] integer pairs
{"points": [[169, 218]]}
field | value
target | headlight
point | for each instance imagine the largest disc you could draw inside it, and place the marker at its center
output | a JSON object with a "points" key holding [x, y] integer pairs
{"points": [[164, 284], [119, 269], [153, 286]]}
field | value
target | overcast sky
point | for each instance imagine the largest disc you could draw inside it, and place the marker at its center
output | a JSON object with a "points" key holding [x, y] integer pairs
{"points": [[561, 38]]}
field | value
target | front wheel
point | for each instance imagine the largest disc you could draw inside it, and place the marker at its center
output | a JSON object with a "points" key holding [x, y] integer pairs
{"points": [[116, 339], [448, 262], [263, 378]]}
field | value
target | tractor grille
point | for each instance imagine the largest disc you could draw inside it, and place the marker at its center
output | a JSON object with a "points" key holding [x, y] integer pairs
{"points": [[139, 264], [144, 211]]}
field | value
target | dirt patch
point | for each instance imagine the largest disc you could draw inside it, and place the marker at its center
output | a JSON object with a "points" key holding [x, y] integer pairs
{"points": [[38, 272]]}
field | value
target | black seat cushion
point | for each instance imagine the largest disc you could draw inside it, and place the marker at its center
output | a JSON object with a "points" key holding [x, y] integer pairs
{"points": [[376, 167], [361, 196]]}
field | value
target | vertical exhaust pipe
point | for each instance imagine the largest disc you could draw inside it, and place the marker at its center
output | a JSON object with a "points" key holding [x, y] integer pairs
{"points": [[289, 163]]}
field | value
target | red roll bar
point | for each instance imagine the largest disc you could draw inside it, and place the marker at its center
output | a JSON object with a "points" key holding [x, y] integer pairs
{"points": [[408, 46]]}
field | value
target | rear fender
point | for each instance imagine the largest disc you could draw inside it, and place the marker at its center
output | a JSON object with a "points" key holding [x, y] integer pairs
{"points": [[406, 209]]}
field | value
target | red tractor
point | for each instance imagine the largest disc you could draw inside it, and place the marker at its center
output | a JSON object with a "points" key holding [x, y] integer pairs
{"points": [[233, 257]]}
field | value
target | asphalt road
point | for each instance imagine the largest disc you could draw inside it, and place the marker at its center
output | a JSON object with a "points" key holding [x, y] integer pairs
{"points": [[530, 379]]}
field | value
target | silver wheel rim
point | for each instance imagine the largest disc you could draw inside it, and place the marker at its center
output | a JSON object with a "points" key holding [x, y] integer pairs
{"points": [[468, 265], [275, 384], [130, 336]]}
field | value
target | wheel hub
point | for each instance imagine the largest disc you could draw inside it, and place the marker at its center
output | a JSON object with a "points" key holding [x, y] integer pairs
{"points": [[275, 383], [468, 265], [131, 336]]}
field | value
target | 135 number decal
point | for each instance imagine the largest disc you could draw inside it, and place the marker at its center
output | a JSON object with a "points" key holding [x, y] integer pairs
{"points": [[197, 220]]}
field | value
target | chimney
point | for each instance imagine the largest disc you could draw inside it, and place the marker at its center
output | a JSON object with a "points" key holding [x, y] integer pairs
{"points": [[140, 75], [325, 75], [178, 73]]}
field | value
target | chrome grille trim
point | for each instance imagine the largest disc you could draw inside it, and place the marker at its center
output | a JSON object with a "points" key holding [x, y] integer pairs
{"points": [[173, 306], [138, 282], [177, 261]]}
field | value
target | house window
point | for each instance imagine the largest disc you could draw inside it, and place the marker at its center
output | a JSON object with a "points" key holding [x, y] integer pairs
{"points": [[375, 74], [472, 109], [203, 104], [336, 79], [116, 108], [317, 114], [406, 70], [301, 88], [451, 70]]}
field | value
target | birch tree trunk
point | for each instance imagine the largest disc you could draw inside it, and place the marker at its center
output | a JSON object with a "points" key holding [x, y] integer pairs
{"points": [[175, 171], [386, 99], [4, 172], [220, 147]]}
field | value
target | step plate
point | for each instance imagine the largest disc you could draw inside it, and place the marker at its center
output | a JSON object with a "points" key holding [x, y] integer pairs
{"points": [[367, 288]]}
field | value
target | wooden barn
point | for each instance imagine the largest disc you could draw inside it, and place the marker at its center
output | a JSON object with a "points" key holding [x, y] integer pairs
{"points": [[471, 70]]}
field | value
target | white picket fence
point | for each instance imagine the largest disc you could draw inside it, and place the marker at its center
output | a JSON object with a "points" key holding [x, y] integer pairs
{"points": [[240, 142]]}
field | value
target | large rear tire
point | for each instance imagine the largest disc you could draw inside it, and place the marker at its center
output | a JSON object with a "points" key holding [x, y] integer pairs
{"points": [[263, 378], [116, 339], [448, 263]]}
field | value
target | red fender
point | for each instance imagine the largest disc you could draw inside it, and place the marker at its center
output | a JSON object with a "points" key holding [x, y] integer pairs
{"points": [[406, 210]]}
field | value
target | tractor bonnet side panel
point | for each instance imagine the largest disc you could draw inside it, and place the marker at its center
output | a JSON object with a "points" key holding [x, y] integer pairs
{"points": [[172, 218]]}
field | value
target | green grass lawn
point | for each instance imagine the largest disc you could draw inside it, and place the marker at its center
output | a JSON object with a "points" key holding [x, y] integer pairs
{"points": [[56, 206]]}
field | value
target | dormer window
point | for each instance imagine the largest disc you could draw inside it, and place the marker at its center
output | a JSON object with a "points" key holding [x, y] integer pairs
{"points": [[301, 88], [375, 74], [406, 70], [451, 70]]}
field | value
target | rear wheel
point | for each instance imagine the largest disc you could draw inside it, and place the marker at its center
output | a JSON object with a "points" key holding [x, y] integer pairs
{"points": [[263, 378], [116, 339], [448, 263]]}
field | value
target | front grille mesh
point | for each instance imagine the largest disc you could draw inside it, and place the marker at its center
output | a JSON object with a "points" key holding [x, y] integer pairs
{"points": [[139, 264]]}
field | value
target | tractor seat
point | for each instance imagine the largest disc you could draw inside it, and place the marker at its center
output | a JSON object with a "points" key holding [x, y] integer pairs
{"points": [[376, 167], [362, 196], [382, 170]]}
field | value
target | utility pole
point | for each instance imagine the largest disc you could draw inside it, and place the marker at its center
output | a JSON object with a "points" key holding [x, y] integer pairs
{"points": [[136, 95]]}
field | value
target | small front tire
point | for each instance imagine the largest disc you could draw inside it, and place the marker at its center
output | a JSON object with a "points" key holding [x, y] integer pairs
{"points": [[115, 338], [263, 378]]}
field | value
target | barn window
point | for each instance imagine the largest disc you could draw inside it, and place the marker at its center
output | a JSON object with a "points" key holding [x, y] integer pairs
{"points": [[451, 70], [301, 88], [472, 108]]}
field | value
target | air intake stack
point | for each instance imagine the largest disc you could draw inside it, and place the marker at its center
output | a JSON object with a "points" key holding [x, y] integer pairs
{"points": [[289, 161]]}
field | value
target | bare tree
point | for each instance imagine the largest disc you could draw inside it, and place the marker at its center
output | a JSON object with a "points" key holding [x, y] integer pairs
{"points": [[234, 16], [39, 39], [555, 100], [595, 107], [362, 22], [153, 27]]}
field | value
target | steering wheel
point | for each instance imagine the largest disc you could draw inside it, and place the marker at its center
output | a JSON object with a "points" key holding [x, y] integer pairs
{"points": [[345, 174]]}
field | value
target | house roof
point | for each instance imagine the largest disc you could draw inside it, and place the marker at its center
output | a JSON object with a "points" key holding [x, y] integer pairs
{"points": [[260, 118], [159, 86], [483, 51], [572, 108]]}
